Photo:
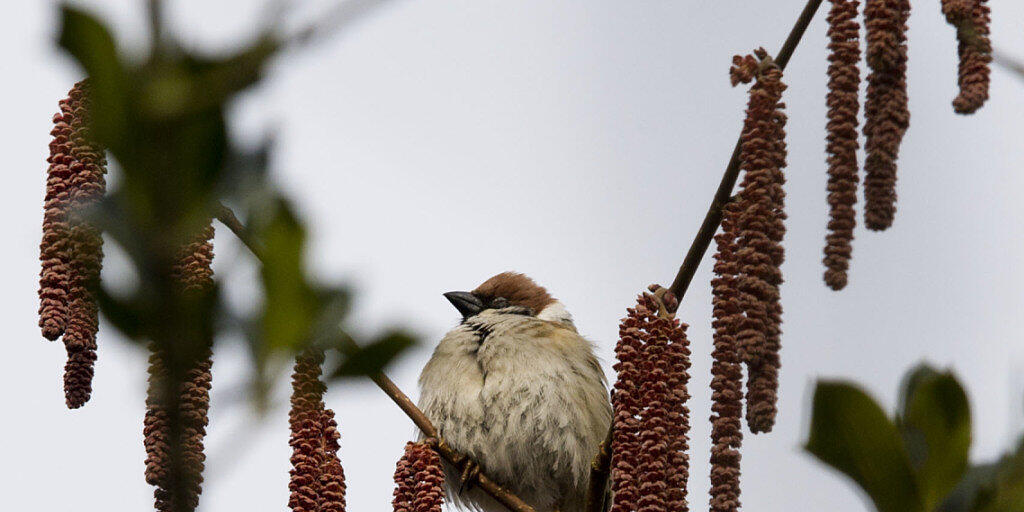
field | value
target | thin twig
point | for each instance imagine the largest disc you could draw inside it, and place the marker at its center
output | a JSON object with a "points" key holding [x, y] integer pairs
{"points": [[1009, 63], [601, 466], [230, 220], [713, 218], [504, 496]]}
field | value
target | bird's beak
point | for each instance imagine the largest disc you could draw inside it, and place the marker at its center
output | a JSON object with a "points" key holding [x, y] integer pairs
{"points": [[467, 303]]}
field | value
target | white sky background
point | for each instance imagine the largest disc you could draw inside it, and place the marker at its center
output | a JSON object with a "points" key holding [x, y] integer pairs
{"points": [[435, 143]]}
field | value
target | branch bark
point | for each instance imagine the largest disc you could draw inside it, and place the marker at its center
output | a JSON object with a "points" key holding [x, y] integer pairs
{"points": [[496, 491], [600, 470]]}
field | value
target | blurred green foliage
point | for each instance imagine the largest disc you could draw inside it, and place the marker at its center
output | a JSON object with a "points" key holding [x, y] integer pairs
{"points": [[162, 119], [916, 461]]}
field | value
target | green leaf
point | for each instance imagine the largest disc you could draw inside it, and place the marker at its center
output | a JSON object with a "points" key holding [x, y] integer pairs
{"points": [[851, 433], [1009, 484], [125, 316], [975, 491], [372, 358], [92, 45], [290, 303], [936, 425]]}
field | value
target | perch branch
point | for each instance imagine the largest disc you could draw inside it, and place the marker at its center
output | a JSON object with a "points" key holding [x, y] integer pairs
{"points": [[601, 466], [504, 496]]}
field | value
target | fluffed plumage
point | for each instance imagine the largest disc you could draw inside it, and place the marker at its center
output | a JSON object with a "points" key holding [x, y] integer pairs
{"points": [[518, 390]]}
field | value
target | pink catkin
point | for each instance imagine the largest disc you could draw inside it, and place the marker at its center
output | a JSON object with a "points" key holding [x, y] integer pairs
{"points": [[419, 480], [649, 462]]}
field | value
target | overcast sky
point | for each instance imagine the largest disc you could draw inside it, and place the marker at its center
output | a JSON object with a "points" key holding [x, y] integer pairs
{"points": [[436, 143]]}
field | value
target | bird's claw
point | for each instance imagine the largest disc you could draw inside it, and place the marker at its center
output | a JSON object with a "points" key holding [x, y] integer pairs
{"points": [[470, 473]]}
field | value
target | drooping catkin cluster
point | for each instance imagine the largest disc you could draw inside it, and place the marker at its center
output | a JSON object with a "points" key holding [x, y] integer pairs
{"points": [[885, 110], [726, 373], [194, 274], [650, 466], [971, 19], [419, 480], [71, 251], [757, 220], [843, 105], [317, 480]]}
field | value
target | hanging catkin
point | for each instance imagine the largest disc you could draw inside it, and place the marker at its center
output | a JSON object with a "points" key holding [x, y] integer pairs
{"points": [[726, 373], [193, 274], [71, 251], [419, 480], [843, 105], [971, 19], [649, 466], [885, 110], [317, 481], [757, 219]]}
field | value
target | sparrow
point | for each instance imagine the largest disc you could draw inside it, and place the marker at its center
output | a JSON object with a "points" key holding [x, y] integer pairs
{"points": [[516, 389]]}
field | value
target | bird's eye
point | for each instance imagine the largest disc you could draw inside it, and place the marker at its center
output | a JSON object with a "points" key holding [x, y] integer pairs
{"points": [[499, 302]]}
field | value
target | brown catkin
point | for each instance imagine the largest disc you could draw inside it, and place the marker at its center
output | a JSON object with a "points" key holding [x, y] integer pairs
{"points": [[885, 110], [649, 463], [626, 403], [317, 481], [306, 432], [757, 220], [54, 250], [726, 373], [843, 105], [332, 476], [419, 480], [193, 274], [82, 249], [971, 19], [193, 407]]}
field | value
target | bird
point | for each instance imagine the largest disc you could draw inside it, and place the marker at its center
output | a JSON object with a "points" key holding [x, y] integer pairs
{"points": [[520, 393]]}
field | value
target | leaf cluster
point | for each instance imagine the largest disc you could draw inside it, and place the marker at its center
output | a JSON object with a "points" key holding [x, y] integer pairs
{"points": [[916, 461]]}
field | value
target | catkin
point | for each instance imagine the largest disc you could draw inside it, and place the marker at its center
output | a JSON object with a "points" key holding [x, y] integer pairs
{"points": [[317, 481], [71, 251], [974, 49], [726, 373], [193, 274], [843, 105], [757, 220], [885, 110], [650, 467], [419, 480]]}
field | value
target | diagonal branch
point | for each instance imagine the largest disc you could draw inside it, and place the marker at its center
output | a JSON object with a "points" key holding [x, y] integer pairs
{"points": [[713, 218], [600, 468], [506, 497]]}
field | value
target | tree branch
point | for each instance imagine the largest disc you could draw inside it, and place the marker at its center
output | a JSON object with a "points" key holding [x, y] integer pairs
{"points": [[504, 496], [713, 218], [600, 469]]}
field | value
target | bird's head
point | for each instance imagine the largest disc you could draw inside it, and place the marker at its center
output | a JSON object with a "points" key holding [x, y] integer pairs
{"points": [[510, 290]]}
